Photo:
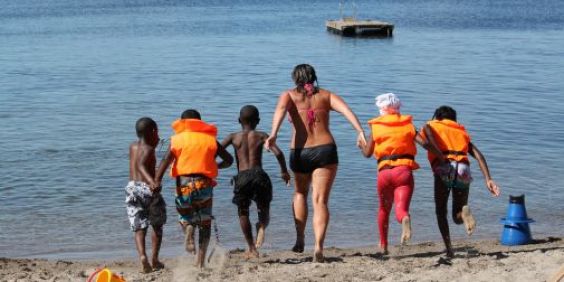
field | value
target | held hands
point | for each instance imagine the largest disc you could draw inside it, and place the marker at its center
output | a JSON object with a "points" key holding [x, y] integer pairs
{"points": [[155, 187], [361, 140], [286, 177], [270, 141], [492, 187]]}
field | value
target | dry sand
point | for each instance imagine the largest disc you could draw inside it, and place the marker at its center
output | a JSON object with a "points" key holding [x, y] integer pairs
{"points": [[484, 260]]}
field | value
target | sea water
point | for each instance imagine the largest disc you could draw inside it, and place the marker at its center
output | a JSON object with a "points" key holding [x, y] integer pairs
{"points": [[76, 75]]}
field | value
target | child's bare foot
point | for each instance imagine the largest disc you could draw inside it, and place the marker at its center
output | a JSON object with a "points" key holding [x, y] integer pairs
{"points": [[145, 266], [250, 254], [199, 263], [405, 230], [189, 240], [384, 249], [468, 219], [449, 253], [260, 235], [157, 265], [298, 247], [318, 257]]}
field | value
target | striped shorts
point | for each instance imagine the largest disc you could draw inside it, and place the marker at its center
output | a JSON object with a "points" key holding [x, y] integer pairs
{"points": [[194, 200]]}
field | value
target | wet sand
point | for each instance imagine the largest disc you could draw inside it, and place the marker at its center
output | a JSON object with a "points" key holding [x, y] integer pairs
{"points": [[484, 260]]}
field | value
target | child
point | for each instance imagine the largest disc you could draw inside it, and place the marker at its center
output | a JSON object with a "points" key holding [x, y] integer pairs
{"points": [[453, 141], [392, 144], [192, 153], [144, 203], [251, 182]]}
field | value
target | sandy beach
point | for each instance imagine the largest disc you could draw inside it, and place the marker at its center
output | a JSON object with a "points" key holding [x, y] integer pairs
{"points": [[484, 260]]}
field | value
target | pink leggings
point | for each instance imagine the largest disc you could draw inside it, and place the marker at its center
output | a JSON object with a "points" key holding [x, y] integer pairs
{"points": [[394, 185]]}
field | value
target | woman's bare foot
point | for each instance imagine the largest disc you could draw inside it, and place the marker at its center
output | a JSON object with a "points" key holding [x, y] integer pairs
{"points": [[189, 240], [318, 257], [157, 265], [260, 235], [468, 219], [145, 266], [405, 230]]}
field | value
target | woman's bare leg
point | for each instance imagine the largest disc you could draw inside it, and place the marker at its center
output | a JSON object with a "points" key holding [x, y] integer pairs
{"points": [[322, 180], [299, 206]]}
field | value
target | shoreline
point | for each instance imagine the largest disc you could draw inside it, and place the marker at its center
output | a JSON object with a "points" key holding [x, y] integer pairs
{"points": [[476, 260]]}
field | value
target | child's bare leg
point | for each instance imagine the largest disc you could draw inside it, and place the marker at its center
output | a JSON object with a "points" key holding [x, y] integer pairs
{"points": [[140, 244], [441, 201], [386, 197], [299, 207], [247, 230], [405, 230], [156, 239], [189, 244], [461, 211], [203, 242], [264, 219], [402, 198]]}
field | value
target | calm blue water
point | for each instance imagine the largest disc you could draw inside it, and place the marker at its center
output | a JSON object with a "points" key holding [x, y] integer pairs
{"points": [[76, 75]]}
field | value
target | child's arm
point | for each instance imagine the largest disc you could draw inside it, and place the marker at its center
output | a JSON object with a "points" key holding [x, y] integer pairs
{"points": [[227, 141], [429, 143], [281, 161], [226, 158], [368, 148], [144, 153], [490, 184], [168, 158]]}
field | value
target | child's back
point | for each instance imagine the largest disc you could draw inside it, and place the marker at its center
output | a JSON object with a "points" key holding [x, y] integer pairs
{"points": [[248, 146], [252, 183]]}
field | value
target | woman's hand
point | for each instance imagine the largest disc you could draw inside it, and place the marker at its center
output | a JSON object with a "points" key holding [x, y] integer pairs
{"points": [[269, 142], [361, 140], [492, 186]]}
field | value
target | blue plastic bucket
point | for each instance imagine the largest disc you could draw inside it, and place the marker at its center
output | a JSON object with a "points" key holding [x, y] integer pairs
{"points": [[516, 229]]}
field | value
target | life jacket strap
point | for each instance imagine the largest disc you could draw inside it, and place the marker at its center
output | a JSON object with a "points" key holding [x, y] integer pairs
{"points": [[456, 153], [396, 157]]}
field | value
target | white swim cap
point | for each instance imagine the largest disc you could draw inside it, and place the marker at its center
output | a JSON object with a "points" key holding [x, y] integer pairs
{"points": [[388, 103]]}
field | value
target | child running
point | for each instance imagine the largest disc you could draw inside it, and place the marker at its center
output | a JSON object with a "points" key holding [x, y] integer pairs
{"points": [[392, 144], [144, 202], [252, 182], [192, 153], [453, 141]]}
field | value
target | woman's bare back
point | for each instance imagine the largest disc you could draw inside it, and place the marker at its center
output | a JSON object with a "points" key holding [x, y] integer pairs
{"points": [[310, 118]]}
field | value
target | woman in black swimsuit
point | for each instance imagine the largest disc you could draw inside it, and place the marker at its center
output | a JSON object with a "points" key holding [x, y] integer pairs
{"points": [[313, 154]]}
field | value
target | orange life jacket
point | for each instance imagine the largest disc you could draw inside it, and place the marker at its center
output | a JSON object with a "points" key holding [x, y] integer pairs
{"points": [[452, 139], [394, 136], [194, 147]]}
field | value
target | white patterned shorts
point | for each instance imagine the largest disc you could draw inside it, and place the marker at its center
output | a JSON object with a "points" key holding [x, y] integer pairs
{"points": [[143, 208]]}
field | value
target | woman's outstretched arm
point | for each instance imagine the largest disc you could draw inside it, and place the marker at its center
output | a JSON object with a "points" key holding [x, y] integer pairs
{"points": [[279, 113], [339, 105]]}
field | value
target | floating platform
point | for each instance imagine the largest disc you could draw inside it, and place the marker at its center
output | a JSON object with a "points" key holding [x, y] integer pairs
{"points": [[353, 27]]}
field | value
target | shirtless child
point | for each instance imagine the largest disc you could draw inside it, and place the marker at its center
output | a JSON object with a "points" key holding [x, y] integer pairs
{"points": [[144, 203], [251, 182]]}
